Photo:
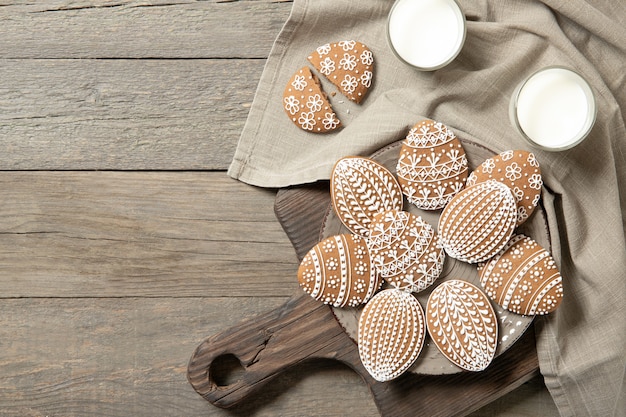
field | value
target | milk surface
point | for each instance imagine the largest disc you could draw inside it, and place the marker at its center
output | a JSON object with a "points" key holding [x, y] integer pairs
{"points": [[426, 33], [554, 107]]}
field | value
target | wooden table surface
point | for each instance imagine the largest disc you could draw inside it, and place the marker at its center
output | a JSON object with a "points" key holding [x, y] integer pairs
{"points": [[123, 243]]}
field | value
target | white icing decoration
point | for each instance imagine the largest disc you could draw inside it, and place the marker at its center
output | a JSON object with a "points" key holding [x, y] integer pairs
{"points": [[391, 334], [327, 272], [522, 277], [432, 166], [299, 82], [405, 250], [462, 324], [478, 221], [361, 188]]}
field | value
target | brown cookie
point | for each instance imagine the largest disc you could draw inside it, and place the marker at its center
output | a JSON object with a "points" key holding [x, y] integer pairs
{"points": [[432, 166], [307, 105], [349, 65], [338, 271], [523, 278], [360, 188], [462, 324], [391, 334], [405, 250], [520, 171], [478, 221]]}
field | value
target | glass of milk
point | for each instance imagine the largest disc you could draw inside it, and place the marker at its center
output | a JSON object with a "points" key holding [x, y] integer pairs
{"points": [[426, 34], [554, 108]]}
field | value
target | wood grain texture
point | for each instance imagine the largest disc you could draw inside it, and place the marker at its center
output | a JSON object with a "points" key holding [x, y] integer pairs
{"points": [[149, 234], [140, 29], [123, 114], [128, 356]]}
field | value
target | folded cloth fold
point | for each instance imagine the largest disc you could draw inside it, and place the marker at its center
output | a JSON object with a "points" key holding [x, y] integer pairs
{"points": [[582, 346]]}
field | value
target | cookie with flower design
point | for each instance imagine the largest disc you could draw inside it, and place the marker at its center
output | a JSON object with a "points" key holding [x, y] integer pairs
{"points": [[520, 171], [348, 64], [307, 105]]}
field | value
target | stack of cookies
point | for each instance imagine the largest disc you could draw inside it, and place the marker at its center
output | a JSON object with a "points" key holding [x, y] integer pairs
{"points": [[391, 254]]}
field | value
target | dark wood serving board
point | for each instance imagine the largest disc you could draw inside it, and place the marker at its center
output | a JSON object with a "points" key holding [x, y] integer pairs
{"points": [[303, 329]]}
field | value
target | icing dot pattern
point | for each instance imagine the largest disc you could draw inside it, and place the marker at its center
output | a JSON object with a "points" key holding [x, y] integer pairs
{"points": [[338, 271], [391, 333], [462, 324], [523, 278], [432, 166]]}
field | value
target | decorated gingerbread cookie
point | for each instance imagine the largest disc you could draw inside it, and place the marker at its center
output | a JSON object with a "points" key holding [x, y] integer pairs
{"points": [[349, 65], [391, 334], [520, 171], [478, 221], [523, 278], [405, 250], [462, 324], [307, 105], [360, 188], [432, 166], [338, 271]]}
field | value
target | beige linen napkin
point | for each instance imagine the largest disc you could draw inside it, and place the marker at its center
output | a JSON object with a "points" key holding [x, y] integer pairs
{"points": [[582, 346]]}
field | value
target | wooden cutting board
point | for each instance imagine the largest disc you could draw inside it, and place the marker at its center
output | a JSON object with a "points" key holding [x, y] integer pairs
{"points": [[303, 329]]}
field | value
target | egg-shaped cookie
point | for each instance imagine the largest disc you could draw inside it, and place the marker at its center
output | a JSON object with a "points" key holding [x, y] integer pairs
{"points": [[338, 271], [306, 104], [523, 278], [520, 171], [462, 324], [390, 334], [432, 166], [348, 64], [360, 188], [405, 250], [478, 221]]}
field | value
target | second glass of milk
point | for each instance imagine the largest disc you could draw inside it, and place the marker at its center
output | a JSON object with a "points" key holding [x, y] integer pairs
{"points": [[554, 108]]}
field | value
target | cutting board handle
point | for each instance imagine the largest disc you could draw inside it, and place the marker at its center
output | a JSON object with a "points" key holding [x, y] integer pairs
{"points": [[299, 330]]}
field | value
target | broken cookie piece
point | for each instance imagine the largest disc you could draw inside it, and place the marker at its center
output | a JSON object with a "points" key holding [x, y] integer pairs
{"points": [[307, 105], [349, 65]]}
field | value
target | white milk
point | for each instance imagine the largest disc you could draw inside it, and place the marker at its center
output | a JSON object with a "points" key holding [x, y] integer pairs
{"points": [[426, 33], [555, 108]]}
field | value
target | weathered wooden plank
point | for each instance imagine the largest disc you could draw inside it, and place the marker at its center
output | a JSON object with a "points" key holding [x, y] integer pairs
{"points": [[123, 114], [128, 357], [140, 29], [148, 234]]}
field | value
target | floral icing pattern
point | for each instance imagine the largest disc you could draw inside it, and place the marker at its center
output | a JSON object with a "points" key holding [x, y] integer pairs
{"points": [[306, 104], [348, 65]]}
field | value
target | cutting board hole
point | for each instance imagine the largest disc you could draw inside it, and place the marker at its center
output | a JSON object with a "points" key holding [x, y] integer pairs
{"points": [[226, 370]]}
